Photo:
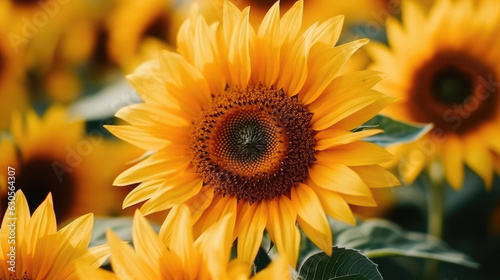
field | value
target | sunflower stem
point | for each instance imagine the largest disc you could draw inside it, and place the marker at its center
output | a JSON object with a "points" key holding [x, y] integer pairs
{"points": [[435, 201]]}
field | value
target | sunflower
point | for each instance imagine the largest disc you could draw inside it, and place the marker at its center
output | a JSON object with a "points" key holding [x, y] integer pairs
{"points": [[256, 123], [38, 250], [443, 66], [51, 155], [175, 254]]}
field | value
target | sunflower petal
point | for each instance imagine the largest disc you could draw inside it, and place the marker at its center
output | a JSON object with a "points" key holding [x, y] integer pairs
{"points": [[126, 263], [355, 154], [311, 217], [375, 176], [176, 190], [453, 162], [281, 223], [338, 178], [146, 241], [278, 269], [251, 230], [331, 137], [480, 160], [333, 204], [325, 67]]}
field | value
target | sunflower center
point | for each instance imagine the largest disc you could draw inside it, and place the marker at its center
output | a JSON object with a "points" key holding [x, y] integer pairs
{"points": [[454, 91], [30, 2], [24, 277], [158, 28], [2, 62], [451, 86], [101, 57], [264, 4], [39, 176], [253, 143]]}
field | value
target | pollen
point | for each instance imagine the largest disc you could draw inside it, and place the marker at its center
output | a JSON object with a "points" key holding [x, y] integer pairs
{"points": [[253, 143]]}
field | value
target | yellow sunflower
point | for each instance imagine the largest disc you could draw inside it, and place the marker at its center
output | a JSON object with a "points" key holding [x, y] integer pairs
{"points": [[443, 66], [33, 249], [256, 123], [51, 154], [175, 254]]}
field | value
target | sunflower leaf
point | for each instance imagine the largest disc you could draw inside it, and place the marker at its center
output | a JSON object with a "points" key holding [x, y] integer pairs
{"points": [[380, 238], [345, 264], [395, 132]]}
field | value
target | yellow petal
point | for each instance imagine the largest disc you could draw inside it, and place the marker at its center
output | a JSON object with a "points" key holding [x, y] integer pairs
{"points": [[88, 272], [251, 230], [331, 137], [145, 114], [215, 245], [146, 242], [376, 177], [338, 178], [333, 204], [355, 154], [294, 69], [324, 67], [291, 22], [18, 210], [220, 207], [266, 60], [281, 222], [160, 165], [201, 201], [74, 239], [328, 32], [175, 191], [137, 136], [239, 62], [452, 153], [183, 241], [126, 263], [142, 192], [184, 76], [479, 159], [311, 217], [359, 200], [40, 232], [277, 269]]}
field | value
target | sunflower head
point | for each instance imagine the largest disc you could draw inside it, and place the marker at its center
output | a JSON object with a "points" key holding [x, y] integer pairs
{"points": [[257, 123], [40, 250], [174, 254], [52, 154], [445, 73]]}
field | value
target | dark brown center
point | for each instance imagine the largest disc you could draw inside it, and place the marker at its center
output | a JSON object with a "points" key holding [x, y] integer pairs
{"points": [[2, 65], [101, 57], [27, 2], [158, 28], [454, 91], [253, 143], [264, 4], [39, 176]]}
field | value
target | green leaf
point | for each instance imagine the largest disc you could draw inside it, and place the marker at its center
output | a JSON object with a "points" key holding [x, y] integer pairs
{"points": [[395, 132], [345, 264], [380, 238]]}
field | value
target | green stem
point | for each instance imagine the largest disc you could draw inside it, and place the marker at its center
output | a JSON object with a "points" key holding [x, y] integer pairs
{"points": [[435, 202]]}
